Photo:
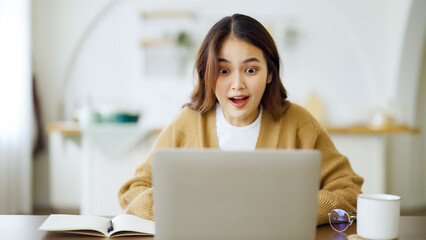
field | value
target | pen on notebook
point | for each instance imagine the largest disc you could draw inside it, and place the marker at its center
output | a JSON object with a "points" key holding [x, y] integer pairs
{"points": [[110, 227]]}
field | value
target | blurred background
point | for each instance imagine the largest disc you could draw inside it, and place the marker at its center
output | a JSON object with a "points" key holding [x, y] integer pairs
{"points": [[86, 86]]}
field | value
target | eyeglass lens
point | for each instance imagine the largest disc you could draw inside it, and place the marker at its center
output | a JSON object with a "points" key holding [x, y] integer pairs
{"points": [[339, 220]]}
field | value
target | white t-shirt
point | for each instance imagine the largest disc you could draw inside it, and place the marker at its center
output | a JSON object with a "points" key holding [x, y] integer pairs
{"points": [[236, 138]]}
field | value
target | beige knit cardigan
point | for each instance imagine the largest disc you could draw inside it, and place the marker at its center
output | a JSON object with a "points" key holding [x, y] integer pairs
{"points": [[296, 129]]}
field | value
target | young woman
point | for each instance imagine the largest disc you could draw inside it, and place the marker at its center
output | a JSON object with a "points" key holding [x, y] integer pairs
{"points": [[239, 103]]}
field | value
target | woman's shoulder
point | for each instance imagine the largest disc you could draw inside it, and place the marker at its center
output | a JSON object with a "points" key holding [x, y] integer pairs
{"points": [[297, 111], [185, 116], [297, 116], [184, 119], [189, 118], [176, 133], [188, 112]]}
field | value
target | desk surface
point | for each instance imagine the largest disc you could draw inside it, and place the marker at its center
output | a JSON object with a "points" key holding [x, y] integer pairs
{"points": [[26, 227]]}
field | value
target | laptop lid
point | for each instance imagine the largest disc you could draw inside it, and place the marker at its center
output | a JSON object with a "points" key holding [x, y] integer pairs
{"points": [[213, 194]]}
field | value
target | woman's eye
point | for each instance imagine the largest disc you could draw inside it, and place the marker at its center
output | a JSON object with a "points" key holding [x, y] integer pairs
{"points": [[223, 71], [251, 70]]}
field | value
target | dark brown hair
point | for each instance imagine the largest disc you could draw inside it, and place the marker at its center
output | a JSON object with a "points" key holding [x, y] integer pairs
{"points": [[251, 31]]}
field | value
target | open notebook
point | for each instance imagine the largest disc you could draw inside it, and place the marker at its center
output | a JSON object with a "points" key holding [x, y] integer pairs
{"points": [[121, 225]]}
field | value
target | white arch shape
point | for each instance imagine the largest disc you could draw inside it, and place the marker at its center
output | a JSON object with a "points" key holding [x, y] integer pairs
{"points": [[405, 92], [81, 40]]}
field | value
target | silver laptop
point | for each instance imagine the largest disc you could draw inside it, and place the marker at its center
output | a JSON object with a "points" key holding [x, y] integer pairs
{"points": [[213, 194]]}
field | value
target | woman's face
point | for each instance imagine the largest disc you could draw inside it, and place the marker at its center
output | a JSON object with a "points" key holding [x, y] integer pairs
{"points": [[242, 79]]}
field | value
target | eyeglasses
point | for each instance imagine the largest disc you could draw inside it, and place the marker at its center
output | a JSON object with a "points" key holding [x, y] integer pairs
{"points": [[340, 220]]}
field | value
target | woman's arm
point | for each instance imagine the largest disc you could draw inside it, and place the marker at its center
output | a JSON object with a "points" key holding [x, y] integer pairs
{"points": [[135, 196], [340, 185]]}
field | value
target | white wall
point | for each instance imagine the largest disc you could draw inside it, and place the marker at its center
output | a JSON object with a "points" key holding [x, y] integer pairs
{"points": [[407, 153], [410, 58], [343, 74], [349, 52], [421, 106], [352, 53], [56, 27]]}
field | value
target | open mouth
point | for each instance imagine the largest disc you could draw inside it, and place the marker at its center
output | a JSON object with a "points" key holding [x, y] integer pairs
{"points": [[239, 101]]}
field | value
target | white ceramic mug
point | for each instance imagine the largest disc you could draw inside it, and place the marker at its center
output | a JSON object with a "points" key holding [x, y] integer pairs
{"points": [[378, 216]]}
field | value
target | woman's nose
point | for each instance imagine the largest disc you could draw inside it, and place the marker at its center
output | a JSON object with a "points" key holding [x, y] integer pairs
{"points": [[238, 82]]}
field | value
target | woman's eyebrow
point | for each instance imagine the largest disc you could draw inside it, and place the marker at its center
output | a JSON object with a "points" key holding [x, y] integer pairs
{"points": [[245, 61], [251, 60]]}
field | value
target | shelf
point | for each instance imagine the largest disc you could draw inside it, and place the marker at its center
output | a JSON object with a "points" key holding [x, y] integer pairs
{"points": [[72, 128], [66, 128], [151, 42], [392, 129]]}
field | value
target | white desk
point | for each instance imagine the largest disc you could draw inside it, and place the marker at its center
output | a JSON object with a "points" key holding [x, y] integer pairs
{"points": [[89, 165]]}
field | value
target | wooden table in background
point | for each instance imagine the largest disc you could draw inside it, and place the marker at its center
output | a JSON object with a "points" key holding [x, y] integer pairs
{"points": [[25, 227], [72, 128]]}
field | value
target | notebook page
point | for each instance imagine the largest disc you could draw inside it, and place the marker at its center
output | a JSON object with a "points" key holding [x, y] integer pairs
{"points": [[131, 223], [65, 222]]}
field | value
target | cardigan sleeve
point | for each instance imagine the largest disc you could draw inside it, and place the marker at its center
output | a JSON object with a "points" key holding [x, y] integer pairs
{"points": [[135, 196], [340, 185]]}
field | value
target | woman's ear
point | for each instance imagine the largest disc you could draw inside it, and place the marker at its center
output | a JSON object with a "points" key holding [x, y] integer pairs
{"points": [[269, 79]]}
